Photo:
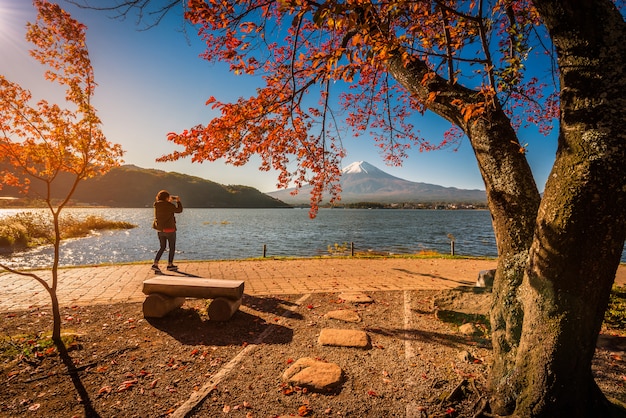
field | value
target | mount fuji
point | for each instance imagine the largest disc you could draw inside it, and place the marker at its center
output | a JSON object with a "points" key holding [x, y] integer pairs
{"points": [[362, 182]]}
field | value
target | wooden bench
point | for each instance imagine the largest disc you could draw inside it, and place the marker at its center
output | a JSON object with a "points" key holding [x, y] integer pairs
{"points": [[164, 294]]}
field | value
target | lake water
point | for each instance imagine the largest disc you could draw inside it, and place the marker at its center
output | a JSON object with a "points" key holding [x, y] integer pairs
{"points": [[206, 234]]}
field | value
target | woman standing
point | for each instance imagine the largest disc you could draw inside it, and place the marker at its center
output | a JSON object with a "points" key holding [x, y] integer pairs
{"points": [[165, 223]]}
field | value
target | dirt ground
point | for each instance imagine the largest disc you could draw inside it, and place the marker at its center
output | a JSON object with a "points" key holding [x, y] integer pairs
{"points": [[418, 364]]}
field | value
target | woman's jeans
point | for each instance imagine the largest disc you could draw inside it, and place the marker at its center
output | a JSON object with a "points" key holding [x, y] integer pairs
{"points": [[164, 239]]}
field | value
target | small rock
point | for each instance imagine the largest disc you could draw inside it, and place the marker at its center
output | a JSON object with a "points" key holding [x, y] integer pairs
{"points": [[468, 329], [344, 338], [314, 374], [356, 297], [343, 315], [485, 278], [465, 356]]}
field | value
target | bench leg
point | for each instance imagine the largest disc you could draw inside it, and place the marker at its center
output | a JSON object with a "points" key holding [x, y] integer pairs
{"points": [[157, 305], [221, 309]]}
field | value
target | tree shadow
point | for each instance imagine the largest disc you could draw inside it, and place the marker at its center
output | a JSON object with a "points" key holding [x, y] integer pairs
{"points": [[416, 335], [90, 412], [189, 327], [433, 276], [275, 306]]}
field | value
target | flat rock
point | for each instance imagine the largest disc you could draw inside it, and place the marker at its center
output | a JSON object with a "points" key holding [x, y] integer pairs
{"points": [[313, 374], [345, 315], [344, 338], [356, 297], [468, 329]]}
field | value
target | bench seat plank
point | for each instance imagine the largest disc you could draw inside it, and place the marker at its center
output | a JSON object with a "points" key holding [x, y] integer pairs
{"points": [[194, 287]]}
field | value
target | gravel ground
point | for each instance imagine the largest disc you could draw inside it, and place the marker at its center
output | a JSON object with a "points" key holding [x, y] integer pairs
{"points": [[418, 363]]}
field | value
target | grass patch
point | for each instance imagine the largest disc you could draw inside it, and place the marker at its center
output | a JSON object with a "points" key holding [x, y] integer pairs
{"points": [[32, 348], [459, 318], [31, 229]]}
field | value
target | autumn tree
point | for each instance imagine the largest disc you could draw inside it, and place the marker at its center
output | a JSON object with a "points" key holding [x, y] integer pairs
{"points": [[43, 141], [371, 65]]}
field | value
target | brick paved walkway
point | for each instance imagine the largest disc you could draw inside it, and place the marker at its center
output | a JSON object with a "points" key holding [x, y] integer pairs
{"points": [[122, 283]]}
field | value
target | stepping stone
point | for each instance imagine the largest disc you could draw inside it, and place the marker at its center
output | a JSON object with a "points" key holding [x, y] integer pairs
{"points": [[314, 374], [356, 297], [344, 338], [468, 329], [343, 315]]}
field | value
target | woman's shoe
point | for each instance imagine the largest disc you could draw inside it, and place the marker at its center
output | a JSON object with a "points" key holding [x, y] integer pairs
{"points": [[172, 267]]}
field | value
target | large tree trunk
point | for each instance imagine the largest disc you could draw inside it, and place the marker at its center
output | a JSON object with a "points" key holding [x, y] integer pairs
{"points": [[581, 225]]}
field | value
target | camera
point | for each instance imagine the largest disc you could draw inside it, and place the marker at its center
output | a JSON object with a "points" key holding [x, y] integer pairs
{"points": [[174, 198]]}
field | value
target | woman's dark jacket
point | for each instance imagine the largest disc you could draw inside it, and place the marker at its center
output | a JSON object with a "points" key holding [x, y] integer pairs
{"points": [[164, 214]]}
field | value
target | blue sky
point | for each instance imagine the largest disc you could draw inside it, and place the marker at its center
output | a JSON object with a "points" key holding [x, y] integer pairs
{"points": [[153, 82]]}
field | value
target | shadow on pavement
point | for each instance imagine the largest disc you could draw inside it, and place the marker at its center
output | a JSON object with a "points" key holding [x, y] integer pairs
{"points": [[188, 327]]}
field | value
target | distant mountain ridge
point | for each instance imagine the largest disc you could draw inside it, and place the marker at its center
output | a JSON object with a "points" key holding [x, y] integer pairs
{"points": [[363, 182], [132, 186]]}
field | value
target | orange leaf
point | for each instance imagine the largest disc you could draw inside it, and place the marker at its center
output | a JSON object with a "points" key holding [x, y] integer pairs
{"points": [[105, 389], [126, 385]]}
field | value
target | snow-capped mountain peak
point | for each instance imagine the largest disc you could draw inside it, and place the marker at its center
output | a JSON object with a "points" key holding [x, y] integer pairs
{"points": [[361, 167], [362, 182]]}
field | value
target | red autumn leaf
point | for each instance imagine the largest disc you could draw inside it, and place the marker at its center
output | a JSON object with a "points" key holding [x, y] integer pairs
{"points": [[105, 389], [289, 360], [372, 393], [304, 411], [194, 352], [127, 385]]}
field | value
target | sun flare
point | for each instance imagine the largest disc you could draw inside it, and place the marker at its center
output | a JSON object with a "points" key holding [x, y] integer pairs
{"points": [[13, 17]]}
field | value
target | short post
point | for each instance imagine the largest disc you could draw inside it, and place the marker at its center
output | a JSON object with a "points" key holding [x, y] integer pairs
{"points": [[264, 250], [352, 248], [451, 238]]}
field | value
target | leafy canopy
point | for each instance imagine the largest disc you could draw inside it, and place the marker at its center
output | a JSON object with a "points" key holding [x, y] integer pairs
{"points": [[40, 141], [340, 52]]}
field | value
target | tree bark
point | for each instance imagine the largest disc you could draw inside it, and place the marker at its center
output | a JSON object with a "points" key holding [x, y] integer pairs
{"points": [[581, 224]]}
